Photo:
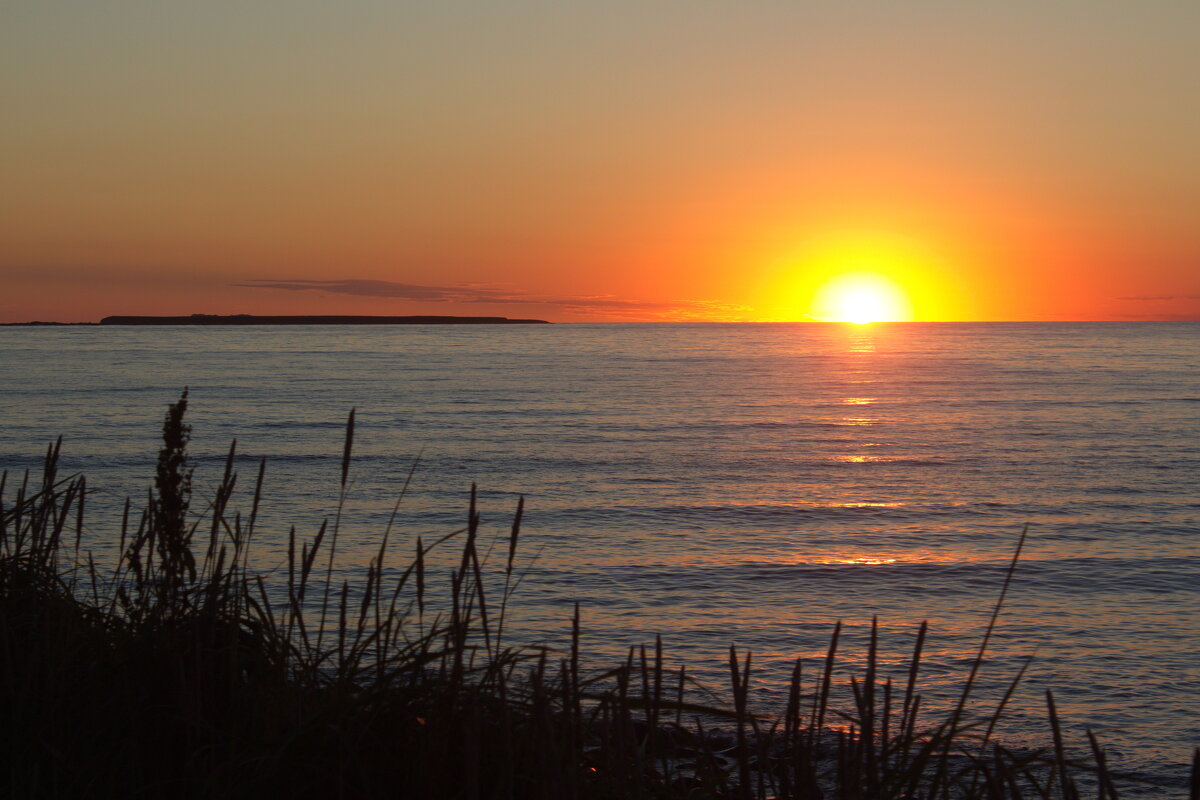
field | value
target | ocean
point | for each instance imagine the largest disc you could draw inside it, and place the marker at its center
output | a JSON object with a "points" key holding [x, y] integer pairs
{"points": [[719, 484]]}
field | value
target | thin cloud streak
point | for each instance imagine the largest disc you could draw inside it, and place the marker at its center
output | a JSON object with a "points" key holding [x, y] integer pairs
{"points": [[605, 305], [1163, 297], [1193, 316]]}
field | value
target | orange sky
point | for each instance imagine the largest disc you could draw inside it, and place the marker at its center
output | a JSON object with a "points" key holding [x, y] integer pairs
{"points": [[616, 161]]}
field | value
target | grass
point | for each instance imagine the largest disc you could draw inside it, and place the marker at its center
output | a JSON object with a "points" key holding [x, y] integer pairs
{"points": [[176, 670]]}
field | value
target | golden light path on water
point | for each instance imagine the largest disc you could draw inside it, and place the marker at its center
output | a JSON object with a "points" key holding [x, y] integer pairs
{"points": [[863, 299]]}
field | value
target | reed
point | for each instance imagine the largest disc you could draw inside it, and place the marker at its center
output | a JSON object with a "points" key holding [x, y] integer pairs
{"points": [[177, 670]]}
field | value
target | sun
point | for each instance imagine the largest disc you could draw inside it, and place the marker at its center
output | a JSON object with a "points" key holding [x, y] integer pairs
{"points": [[861, 306], [861, 298]]}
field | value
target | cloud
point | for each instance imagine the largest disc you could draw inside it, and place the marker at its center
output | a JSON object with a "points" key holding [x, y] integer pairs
{"points": [[402, 291], [605, 305]]}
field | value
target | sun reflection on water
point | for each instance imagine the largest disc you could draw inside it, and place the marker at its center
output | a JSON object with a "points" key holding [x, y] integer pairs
{"points": [[868, 505], [852, 560], [862, 340], [868, 557]]}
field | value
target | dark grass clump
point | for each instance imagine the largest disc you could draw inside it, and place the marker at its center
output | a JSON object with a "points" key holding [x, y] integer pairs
{"points": [[176, 671]]}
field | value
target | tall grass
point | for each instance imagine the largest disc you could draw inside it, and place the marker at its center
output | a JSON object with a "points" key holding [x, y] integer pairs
{"points": [[176, 670]]}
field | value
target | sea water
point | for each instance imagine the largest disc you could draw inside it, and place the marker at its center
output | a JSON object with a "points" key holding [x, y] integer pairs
{"points": [[718, 484]]}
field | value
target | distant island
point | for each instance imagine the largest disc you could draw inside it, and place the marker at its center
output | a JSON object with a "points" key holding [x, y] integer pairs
{"points": [[253, 319]]}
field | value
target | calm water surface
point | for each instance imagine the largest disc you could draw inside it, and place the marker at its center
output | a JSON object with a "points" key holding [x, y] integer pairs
{"points": [[718, 484]]}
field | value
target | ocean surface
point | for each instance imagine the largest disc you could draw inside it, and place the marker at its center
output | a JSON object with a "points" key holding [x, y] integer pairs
{"points": [[720, 484]]}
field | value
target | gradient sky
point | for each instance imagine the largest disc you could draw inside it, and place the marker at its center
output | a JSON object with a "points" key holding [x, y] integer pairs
{"points": [[598, 161]]}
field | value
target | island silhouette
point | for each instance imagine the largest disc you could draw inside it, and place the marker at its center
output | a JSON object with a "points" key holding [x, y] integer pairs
{"points": [[332, 319]]}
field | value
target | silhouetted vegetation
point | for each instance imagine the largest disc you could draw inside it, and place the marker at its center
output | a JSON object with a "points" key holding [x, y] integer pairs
{"points": [[175, 670]]}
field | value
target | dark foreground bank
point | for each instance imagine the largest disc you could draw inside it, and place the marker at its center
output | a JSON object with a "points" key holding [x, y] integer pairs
{"points": [[177, 670]]}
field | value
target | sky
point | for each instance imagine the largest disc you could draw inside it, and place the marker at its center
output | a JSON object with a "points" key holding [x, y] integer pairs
{"points": [[615, 161]]}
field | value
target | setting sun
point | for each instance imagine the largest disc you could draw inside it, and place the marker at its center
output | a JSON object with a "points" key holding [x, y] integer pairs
{"points": [[861, 298]]}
